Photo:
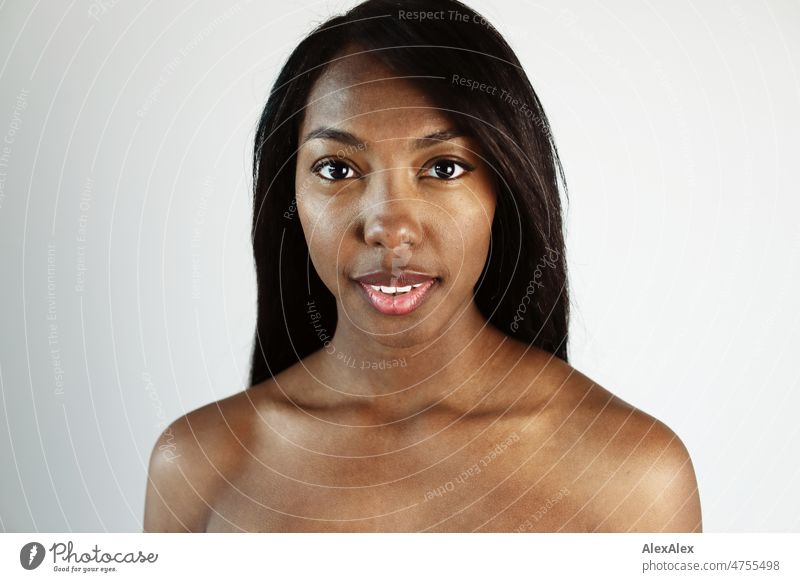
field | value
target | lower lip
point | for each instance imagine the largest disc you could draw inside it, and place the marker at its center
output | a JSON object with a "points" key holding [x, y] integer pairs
{"points": [[401, 304]]}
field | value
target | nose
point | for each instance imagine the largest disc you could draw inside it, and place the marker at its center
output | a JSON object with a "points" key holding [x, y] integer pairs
{"points": [[392, 216], [392, 227]]}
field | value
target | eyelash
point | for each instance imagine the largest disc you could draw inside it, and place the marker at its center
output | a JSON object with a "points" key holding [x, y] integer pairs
{"points": [[325, 161]]}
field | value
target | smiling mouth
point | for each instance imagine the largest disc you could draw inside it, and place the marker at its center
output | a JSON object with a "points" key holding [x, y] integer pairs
{"points": [[398, 300]]}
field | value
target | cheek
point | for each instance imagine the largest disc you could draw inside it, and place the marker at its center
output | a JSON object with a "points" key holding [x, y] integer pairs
{"points": [[462, 240], [476, 228], [323, 232], [311, 211]]}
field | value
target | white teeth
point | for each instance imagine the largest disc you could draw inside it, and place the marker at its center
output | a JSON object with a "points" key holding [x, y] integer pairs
{"points": [[392, 290]]}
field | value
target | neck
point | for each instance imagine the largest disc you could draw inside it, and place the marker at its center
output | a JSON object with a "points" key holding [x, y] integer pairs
{"points": [[391, 381]]}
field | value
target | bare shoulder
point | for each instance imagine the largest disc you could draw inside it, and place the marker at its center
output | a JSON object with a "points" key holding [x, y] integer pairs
{"points": [[634, 471], [191, 459]]}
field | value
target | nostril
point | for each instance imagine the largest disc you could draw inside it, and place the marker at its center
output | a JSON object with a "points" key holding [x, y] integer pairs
{"points": [[400, 244]]}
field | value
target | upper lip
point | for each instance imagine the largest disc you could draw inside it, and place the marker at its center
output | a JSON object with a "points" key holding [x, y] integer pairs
{"points": [[386, 278]]}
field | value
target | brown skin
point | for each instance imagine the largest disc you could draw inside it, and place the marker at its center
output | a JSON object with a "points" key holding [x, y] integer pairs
{"points": [[325, 446]]}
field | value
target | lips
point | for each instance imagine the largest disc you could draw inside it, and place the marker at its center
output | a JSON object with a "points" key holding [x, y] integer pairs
{"points": [[396, 295]]}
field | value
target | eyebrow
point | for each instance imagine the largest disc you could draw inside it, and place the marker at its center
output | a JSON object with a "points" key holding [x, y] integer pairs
{"points": [[348, 138]]}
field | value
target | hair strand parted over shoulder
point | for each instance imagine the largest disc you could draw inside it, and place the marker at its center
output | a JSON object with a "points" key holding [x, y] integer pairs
{"points": [[523, 289]]}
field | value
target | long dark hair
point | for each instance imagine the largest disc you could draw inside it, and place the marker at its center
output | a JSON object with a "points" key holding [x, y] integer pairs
{"points": [[523, 287]]}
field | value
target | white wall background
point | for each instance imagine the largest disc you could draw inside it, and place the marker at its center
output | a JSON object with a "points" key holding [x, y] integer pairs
{"points": [[127, 288]]}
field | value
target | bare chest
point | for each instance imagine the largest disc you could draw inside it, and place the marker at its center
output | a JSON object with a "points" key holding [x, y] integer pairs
{"points": [[496, 482]]}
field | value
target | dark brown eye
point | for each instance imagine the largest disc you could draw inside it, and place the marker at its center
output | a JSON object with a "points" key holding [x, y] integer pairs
{"points": [[446, 169], [333, 170]]}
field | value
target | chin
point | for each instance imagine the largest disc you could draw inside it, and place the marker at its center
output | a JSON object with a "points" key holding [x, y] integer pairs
{"points": [[395, 331]]}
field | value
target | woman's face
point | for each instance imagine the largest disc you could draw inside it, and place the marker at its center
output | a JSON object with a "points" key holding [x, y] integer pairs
{"points": [[397, 225]]}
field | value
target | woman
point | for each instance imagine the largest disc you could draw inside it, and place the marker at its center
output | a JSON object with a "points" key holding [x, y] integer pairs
{"points": [[410, 365]]}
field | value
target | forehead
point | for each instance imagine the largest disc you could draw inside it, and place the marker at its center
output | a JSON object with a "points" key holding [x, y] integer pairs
{"points": [[360, 91]]}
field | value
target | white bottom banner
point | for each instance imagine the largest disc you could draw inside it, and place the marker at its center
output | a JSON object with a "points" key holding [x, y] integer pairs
{"points": [[390, 557]]}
